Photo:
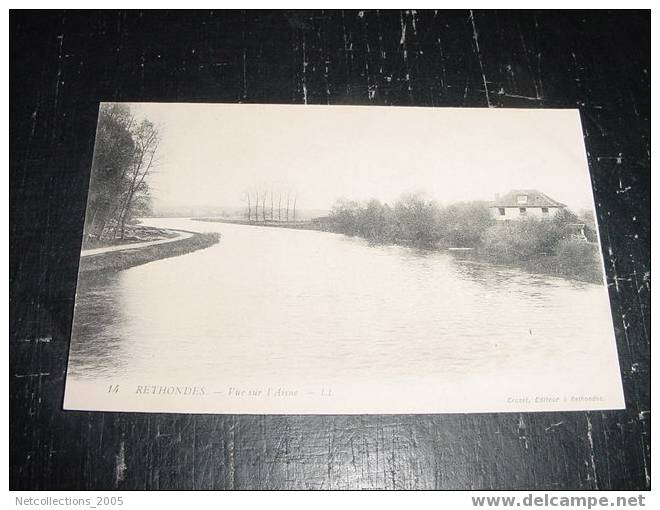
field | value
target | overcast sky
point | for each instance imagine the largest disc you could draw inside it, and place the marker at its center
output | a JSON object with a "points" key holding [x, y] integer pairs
{"points": [[211, 153]]}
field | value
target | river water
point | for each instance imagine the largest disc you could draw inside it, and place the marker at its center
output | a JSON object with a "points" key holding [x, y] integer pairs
{"points": [[278, 305]]}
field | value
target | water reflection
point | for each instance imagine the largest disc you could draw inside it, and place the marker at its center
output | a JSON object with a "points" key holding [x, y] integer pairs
{"points": [[292, 304], [96, 349]]}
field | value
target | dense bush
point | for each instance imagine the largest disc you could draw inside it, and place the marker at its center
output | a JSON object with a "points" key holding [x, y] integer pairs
{"points": [[531, 242], [522, 240], [417, 221], [576, 257], [528, 238], [545, 246], [414, 220], [465, 223]]}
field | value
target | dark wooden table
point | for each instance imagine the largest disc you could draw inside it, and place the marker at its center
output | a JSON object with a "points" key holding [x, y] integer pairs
{"points": [[64, 63]]}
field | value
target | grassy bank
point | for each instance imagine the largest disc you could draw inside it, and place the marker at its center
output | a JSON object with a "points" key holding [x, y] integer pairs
{"points": [[299, 225], [540, 247], [132, 234], [561, 245], [118, 260], [587, 270]]}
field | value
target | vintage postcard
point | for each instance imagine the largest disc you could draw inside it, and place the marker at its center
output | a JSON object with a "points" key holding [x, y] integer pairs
{"points": [[340, 259]]}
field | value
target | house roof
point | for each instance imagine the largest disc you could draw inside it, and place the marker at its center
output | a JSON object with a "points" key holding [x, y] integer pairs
{"points": [[534, 199]]}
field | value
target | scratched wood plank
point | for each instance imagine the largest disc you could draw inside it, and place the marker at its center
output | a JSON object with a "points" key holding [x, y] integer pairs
{"points": [[64, 63]]}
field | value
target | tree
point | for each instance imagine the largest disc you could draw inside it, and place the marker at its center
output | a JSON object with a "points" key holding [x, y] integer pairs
{"points": [[113, 153], [528, 238], [256, 205], [413, 220], [146, 140], [246, 194], [344, 216], [287, 207], [465, 223], [263, 206], [417, 220], [124, 154]]}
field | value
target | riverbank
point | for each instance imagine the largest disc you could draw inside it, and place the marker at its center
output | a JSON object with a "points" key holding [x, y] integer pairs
{"points": [[585, 268], [299, 225], [130, 257], [133, 234], [551, 265]]}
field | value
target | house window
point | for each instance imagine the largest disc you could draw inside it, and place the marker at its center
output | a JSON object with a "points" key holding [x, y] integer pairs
{"points": [[523, 211], [502, 211], [522, 199], [544, 210]]}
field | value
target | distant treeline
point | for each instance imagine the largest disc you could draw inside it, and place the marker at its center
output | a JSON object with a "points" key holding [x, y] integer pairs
{"points": [[414, 220], [270, 203]]}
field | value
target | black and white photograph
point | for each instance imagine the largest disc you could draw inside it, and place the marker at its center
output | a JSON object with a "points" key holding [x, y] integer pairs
{"points": [[343, 250], [340, 260]]}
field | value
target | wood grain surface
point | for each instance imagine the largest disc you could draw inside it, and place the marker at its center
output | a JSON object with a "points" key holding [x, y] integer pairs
{"points": [[64, 63]]}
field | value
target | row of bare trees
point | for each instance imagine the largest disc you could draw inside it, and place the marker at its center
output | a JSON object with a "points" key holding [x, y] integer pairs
{"points": [[124, 155], [270, 203]]}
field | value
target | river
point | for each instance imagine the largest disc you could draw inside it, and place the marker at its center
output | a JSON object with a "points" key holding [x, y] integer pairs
{"points": [[304, 309]]}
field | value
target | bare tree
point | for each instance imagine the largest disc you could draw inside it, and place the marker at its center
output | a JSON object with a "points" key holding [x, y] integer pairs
{"points": [[113, 156], [124, 156], [287, 207], [256, 205], [263, 206], [261, 195], [146, 141], [249, 206]]}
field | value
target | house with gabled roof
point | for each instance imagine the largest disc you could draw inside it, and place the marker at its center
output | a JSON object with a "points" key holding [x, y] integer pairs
{"points": [[524, 203]]}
